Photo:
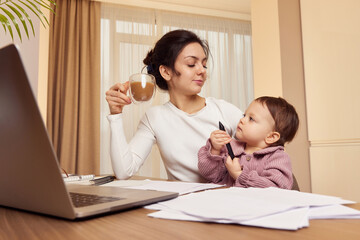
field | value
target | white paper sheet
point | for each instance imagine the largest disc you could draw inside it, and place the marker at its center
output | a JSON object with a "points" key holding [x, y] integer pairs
{"points": [[225, 204], [168, 186], [290, 197], [289, 220], [126, 183], [334, 212]]}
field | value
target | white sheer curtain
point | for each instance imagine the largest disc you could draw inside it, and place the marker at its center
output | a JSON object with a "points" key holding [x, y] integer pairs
{"points": [[127, 35]]}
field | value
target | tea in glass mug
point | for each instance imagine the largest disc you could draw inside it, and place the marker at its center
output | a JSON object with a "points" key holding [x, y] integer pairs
{"points": [[142, 87]]}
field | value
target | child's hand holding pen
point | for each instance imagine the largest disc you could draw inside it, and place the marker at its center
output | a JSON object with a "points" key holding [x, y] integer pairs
{"points": [[233, 166], [218, 139]]}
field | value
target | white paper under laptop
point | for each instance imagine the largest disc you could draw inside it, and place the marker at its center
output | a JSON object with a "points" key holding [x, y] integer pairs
{"points": [[30, 177]]}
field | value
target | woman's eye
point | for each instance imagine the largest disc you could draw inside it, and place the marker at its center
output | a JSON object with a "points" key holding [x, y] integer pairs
{"points": [[191, 65], [205, 67]]}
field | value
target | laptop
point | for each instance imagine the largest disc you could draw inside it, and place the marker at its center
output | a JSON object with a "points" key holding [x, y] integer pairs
{"points": [[30, 175]]}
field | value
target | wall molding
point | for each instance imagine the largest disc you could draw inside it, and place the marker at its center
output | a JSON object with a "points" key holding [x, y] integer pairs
{"points": [[335, 142]]}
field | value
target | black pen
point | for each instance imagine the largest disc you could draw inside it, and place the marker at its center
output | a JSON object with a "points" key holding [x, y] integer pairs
{"points": [[228, 146], [103, 180]]}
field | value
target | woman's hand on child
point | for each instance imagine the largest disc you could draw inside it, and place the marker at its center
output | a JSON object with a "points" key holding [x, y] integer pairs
{"points": [[117, 98], [233, 166], [218, 139]]}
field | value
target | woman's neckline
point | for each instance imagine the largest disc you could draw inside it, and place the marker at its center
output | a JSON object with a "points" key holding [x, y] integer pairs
{"points": [[193, 112]]}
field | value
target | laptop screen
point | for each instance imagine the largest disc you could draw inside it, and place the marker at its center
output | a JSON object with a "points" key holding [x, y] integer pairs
{"points": [[30, 177]]}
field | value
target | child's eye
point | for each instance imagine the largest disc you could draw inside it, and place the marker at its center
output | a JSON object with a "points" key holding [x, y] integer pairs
{"points": [[251, 119], [205, 66]]}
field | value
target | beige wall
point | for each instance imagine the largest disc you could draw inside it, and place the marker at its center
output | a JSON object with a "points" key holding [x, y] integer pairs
{"points": [[331, 37], [293, 86], [278, 69], [266, 48], [43, 66], [28, 48]]}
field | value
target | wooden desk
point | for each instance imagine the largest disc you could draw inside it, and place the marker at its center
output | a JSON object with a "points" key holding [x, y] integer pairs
{"points": [[135, 224]]}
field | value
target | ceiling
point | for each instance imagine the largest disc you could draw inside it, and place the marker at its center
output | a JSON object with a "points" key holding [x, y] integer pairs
{"points": [[237, 6]]}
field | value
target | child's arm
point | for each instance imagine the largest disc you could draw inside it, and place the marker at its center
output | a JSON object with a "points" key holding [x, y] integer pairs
{"points": [[212, 167]]}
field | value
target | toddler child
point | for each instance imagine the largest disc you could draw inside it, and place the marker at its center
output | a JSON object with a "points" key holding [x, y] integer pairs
{"points": [[260, 159]]}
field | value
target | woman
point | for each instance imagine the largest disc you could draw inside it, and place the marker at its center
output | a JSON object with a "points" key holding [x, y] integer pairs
{"points": [[181, 126]]}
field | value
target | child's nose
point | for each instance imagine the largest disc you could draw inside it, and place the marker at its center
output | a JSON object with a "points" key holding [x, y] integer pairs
{"points": [[242, 120]]}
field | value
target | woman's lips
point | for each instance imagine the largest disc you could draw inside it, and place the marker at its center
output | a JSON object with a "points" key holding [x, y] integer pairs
{"points": [[199, 82]]}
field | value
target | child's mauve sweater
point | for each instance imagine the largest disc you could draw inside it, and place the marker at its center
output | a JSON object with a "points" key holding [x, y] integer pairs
{"points": [[269, 167]]}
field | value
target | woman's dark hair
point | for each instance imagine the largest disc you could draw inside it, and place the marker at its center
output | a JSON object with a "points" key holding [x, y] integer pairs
{"points": [[285, 117], [166, 51]]}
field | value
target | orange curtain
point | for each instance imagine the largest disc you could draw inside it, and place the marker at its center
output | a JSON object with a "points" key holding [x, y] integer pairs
{"points": [[73, 114]]}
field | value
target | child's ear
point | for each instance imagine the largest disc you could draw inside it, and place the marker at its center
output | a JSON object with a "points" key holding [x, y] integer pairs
{"points": [[165, 72], [272, 137]]}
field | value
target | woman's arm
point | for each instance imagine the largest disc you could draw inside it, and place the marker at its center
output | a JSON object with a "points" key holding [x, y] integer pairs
{"points": [[127, 158]]}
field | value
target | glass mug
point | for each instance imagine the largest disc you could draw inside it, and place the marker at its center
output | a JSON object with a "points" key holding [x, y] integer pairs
{"points": [[142, 87]]}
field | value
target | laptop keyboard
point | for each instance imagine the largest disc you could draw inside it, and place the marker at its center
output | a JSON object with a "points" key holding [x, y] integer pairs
{"points": [[83, 200]]}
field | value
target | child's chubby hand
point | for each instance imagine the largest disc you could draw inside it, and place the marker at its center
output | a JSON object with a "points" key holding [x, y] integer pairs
{"points": [[218, 139], [233, 166]]}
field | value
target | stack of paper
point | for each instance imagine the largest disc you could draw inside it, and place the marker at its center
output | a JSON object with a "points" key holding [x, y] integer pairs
{"points": [[261, 207]]}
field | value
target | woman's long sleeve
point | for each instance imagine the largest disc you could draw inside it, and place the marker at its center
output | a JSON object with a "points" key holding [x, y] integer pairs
{"points": [[127, 158]]}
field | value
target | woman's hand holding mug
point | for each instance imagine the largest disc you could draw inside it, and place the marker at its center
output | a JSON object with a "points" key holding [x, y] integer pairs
{"points": [[142, 90], [117, 98]]}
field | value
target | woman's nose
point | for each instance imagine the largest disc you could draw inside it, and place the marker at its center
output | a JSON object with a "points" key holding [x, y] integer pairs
{"points": [[201, 69]]}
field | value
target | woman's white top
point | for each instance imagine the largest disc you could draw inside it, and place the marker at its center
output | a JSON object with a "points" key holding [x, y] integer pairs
{"points": [[179, 137]]}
